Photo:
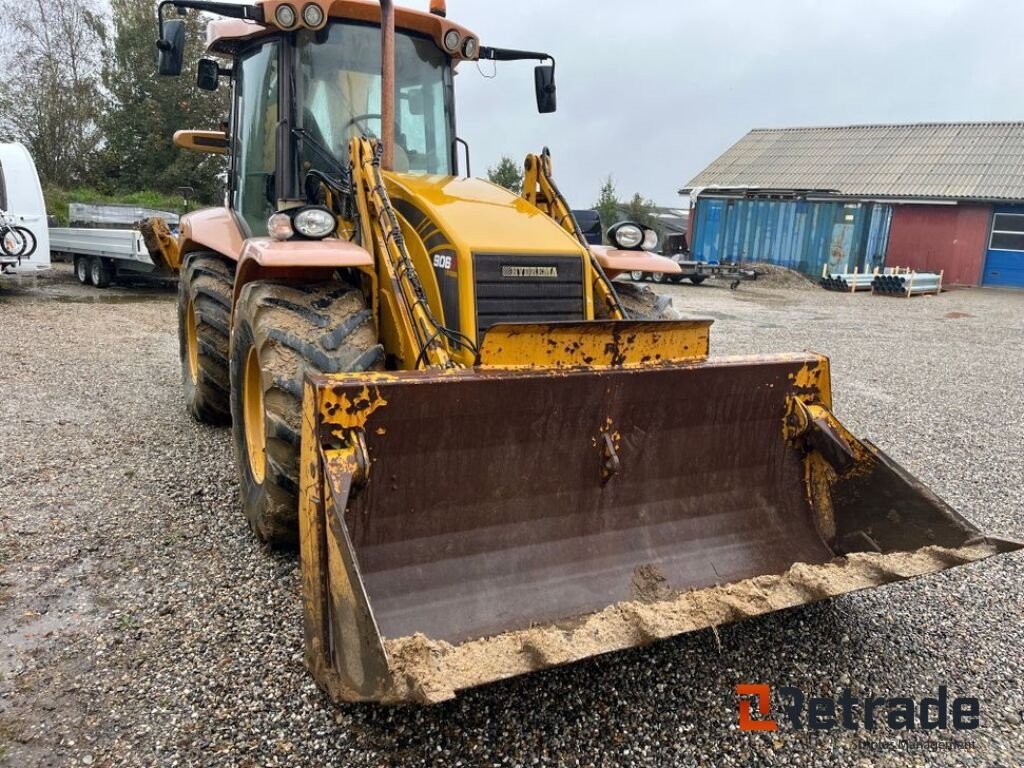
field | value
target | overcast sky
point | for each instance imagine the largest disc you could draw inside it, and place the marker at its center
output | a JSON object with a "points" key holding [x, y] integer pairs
{"points": [[655, 98]]}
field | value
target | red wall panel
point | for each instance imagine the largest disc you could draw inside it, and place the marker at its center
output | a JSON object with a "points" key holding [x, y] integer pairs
{"points": [[930, 238]]}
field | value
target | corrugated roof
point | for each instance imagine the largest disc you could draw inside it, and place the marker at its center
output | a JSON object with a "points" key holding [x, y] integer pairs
{"points": [[962, 161]]}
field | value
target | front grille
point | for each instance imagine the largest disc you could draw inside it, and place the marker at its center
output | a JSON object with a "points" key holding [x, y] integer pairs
{"points": [[527, 289]]}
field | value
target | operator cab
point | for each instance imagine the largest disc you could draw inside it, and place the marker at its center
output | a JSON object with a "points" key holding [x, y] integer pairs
{"points": [[337, 81], [304, 87]]}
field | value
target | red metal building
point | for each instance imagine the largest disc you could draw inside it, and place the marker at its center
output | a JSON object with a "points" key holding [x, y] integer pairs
{"points": [[950, 238]]}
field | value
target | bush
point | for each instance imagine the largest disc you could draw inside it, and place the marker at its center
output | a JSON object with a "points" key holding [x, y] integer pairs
{"points": [[57, 200]]}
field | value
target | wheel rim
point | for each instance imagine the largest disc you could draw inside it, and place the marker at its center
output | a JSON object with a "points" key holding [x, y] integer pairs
{"points": [[192, 342], [252, 410], [83, 270], [94, 270], [637, 276]]}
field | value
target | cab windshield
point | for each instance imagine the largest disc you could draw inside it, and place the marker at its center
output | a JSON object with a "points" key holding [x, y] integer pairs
{"points": [[338, 96]]}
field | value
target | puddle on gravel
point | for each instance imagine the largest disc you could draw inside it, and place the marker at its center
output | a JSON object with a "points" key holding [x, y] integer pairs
{"points": [[39, 610], [18, 289], [108, 299]]}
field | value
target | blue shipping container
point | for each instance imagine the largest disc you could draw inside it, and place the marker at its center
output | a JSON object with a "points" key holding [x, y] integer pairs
{"points": [[799, 234]]}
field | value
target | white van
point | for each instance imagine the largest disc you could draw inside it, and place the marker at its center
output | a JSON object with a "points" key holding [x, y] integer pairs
{"points": [[22, 197]]}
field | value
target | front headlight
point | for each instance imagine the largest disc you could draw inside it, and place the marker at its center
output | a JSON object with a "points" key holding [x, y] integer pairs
{"points": [[650, 240], [626, 235], [279, 226], [314, 223]]}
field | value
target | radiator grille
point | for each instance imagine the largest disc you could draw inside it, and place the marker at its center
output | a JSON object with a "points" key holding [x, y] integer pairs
{"points": [[525, 289]]}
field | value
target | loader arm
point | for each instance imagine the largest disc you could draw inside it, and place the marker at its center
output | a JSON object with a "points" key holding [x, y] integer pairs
{"points": [[404, 297], [540, 190]]}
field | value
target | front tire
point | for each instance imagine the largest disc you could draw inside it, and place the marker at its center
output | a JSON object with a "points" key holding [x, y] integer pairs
{"points": [[282, 331], [204, 325]]}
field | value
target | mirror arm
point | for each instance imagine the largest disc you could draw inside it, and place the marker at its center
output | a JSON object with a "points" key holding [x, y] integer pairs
{"points": [[488, 53], [232, 10]]}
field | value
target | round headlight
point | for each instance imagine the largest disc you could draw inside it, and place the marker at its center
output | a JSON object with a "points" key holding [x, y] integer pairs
{"points": [[315, 223], [452, 38], [626, 235], [313, 15], [285, 16], [470, 48], [279, 226], [650, 240]]}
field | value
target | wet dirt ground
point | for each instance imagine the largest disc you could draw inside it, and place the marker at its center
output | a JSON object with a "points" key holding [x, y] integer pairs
{"points": [[142, 625]]}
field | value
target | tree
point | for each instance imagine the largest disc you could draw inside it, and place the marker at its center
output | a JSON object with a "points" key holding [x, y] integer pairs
{"points": [[507, 174], [642, 211], [145, 109], [607, 205], [51, 99]]}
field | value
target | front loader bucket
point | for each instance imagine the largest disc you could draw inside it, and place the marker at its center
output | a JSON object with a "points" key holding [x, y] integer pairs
{"points": [[464, 527]]}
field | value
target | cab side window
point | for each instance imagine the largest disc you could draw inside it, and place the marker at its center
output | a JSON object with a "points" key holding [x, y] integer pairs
{"points": [[255, 150]]}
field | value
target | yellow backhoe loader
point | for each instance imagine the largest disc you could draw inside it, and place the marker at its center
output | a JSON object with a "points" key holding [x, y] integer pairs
{"points": [[435, 390]]}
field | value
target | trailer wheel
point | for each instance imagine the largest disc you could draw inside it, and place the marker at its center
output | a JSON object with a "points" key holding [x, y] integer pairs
{"points": [[636, 276], [204, 325], [658, 277], [99, 272], [698, 279], [82, 270], [282, 331]]}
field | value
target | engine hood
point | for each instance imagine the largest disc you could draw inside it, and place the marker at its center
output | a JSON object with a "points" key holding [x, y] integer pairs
{"points": [[476, 216]]}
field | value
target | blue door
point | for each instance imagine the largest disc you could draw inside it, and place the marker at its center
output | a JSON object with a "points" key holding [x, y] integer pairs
{"points": [[1004, 262]]}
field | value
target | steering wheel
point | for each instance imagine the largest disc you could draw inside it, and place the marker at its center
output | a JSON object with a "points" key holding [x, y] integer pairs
{"points": [[359, 119]]}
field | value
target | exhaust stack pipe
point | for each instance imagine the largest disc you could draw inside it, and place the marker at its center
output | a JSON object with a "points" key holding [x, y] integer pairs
{"points": [[387, 85]]}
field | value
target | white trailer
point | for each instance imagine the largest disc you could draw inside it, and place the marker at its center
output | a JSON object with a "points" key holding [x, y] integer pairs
{"points": [[110, 244], [22, 197]]}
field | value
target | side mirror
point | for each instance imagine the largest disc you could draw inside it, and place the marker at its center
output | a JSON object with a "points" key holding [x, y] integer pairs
{"points": [[209, 142], [544, 81], [208, 74], [172, 47]]}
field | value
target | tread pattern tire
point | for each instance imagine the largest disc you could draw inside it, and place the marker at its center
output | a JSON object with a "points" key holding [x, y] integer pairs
{"points": [[99, 272], [82, 270], [206, 284], [319, 328]]}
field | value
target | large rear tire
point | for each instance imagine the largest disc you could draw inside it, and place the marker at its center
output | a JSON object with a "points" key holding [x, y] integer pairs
{"points": [[204, 326], [281, 331]]}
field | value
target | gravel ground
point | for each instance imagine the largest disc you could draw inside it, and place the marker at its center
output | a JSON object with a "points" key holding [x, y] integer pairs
{"points": [[142, 625]]}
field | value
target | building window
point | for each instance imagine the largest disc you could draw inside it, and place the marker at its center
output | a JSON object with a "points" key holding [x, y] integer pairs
{"points": [[1007, 232]]}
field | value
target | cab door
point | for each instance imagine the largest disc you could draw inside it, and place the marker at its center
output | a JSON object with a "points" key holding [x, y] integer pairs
{"points": [[255, 126]]}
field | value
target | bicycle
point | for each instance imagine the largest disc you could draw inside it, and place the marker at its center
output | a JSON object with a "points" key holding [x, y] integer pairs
{"points": [[15, 241]]}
